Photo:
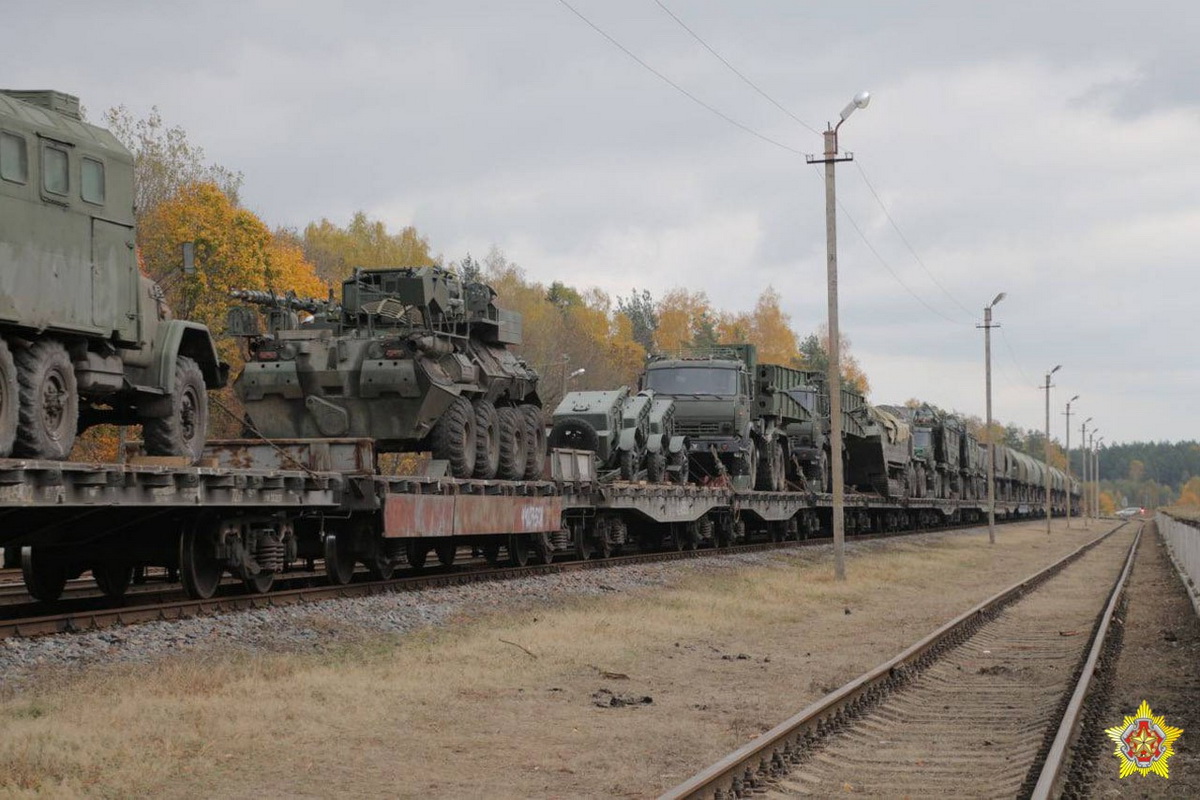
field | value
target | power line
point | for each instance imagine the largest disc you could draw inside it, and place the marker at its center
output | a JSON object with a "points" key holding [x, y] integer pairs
{"points": [[1013, 356], [904, 239], [679, 88], [734, 69]]}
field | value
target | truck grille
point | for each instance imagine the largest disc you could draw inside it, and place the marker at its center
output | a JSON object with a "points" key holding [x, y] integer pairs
{"points": [[684, 428]]}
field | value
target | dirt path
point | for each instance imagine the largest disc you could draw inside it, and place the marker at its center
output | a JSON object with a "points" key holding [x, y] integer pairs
{"points": [[1159, 663], [518, 702]]}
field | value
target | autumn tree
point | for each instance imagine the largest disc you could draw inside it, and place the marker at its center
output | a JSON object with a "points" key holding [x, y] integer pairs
{"points": [[814, 355], [336, 251], [1189, 495], [642, 313], [165, 160]]}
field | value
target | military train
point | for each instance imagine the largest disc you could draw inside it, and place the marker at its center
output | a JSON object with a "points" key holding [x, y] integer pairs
{"points": [[712, 448]]}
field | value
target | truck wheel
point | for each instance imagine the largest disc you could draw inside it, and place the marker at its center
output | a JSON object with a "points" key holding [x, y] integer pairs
{"points": [[453, 438], [537, 442], [487, 440], [656, 467], [9, 408], [49, 401], [628, 464], [514, 444], [574, 433], [679, 460], [183, 431]]}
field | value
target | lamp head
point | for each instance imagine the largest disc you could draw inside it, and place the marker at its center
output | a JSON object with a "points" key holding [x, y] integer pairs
{"points": [[1073, 399], [1086, 421], [999, 297], [860, 101], [1056, 369]]}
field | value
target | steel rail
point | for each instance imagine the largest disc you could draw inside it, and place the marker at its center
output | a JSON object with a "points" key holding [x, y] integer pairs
{"points": [[749, 768], [1055, 768], [85, 619]]}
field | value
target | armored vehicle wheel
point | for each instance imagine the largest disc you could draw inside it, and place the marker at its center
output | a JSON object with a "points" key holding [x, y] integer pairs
{"points": [[574, 433], [680, 475], [339, 558], [656, 467], [9, 408], [537, 442], [416, 551], [514, 444], [260, 583], [45, 574], [628, 464], [49, 401], [183, 431], [518, 549], [487, 440], [453, 438], [446, 551], [113, 577]]}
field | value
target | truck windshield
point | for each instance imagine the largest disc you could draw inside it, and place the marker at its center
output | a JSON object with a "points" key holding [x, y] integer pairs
{"points": [[693, 380]]}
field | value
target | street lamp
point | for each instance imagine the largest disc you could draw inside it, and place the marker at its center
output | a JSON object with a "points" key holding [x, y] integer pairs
{"points": [[1046, 457], [1068, 452], [835, 367], [1083, 466], [1095, 490], [987, 361]]}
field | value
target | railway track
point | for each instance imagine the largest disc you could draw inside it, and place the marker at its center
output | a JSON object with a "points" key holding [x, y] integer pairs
{"points": [[95, 612], [988, 705]]}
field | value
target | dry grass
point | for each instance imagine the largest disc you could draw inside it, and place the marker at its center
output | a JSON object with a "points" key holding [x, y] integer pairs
{"points": [[1188, 513], [457, 712]]}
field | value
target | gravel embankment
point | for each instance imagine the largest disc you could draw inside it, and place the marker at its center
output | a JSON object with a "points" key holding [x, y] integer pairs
{"points": [[339, 621]]}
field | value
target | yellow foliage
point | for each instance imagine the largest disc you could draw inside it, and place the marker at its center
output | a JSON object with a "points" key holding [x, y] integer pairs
{"points": [[1107, 504], [1190, 494], [366, 243]]}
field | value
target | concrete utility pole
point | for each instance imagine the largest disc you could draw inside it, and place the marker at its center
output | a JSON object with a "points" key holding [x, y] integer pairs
{"points": [[1046, 458], [1068, 450], [1083, 466], [987, 369], [1096, 472], [835, 366]]}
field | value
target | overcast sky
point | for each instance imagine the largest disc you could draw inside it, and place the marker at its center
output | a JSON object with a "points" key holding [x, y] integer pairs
{"points": [[1048, 150]]}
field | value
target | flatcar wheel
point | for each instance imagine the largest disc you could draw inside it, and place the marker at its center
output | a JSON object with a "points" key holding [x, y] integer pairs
{"points": [[45, 576], [491, 553], [260, 583], [113, 578], [446, 551], [199, 568], [416, 551], [339, 560], [518, 550]]}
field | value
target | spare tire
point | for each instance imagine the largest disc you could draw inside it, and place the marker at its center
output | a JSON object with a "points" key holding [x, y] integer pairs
{"points": [[574, 433]]}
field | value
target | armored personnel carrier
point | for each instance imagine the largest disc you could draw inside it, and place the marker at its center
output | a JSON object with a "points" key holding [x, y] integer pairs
{"points": [[412, 358], [84, 337]]}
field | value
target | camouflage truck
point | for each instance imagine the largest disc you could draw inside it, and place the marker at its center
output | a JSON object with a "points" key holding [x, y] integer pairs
{"points": [[880, 460], [808, 439], [412, 357], [84, 337], [937, 450], [631, 434], [733, 411]]}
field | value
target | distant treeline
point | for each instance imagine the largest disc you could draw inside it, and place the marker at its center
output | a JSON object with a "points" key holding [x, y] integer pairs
{"points": [[1167, 463]]}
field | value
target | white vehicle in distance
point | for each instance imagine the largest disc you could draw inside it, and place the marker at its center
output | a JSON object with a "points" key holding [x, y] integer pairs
{"points": [[1132, 511]]}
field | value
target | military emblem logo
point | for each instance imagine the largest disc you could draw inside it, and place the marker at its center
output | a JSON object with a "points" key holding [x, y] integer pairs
{"points": [[1144, 742]]}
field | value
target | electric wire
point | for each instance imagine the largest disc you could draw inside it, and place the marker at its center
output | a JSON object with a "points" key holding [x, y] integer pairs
{"points": [[677, 87], [1013, 356], [734, 69], [862, 173]]}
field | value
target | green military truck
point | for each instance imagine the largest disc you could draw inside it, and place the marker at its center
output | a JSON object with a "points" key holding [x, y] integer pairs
{"points": [[84, 337], [734, 412]]}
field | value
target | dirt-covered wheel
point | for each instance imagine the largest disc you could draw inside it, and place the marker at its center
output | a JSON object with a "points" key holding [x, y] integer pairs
{"points": [[627, 460], [487, 440], [339, 558], [574, 433], [537, 441], [259, 583], [199, 568], [453, 438], [48, 399], [183, 430], [518, 549], [113, 577], [446, 551], [416, 551], [514, 444], [44, 572], [656, 467], [10, 415]]}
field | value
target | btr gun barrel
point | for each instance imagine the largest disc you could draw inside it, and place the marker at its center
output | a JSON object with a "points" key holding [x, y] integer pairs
{"points": [[290, 301]]}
